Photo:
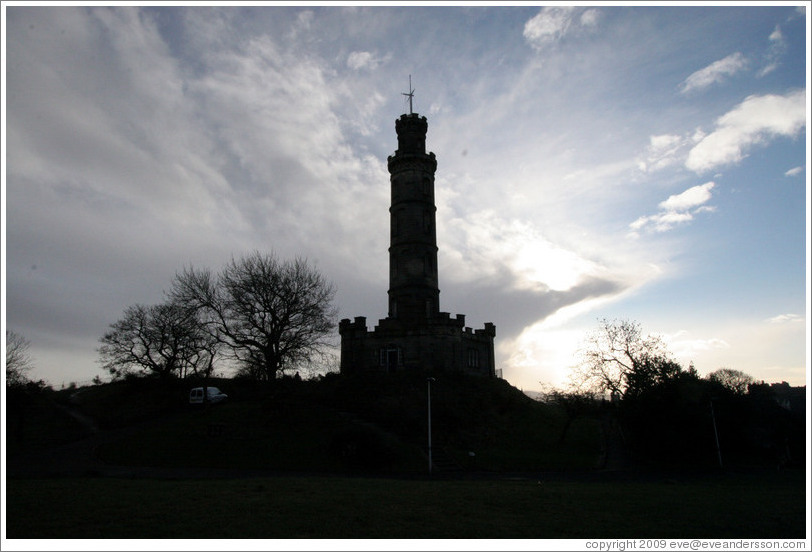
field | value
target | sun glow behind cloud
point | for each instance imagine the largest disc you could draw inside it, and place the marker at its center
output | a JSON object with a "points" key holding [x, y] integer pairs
{"points": [[496, 246]]}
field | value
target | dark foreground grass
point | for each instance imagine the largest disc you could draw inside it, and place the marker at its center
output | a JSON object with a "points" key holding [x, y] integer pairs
{"points": [[771, 506]]}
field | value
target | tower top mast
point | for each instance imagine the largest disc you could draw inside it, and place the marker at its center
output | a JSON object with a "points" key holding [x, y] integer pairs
{"points": [[410, 94]]}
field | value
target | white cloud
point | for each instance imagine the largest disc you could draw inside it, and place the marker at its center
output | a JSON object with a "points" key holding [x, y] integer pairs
{"points": [[304, 20], [686, 349], [692, 197], [778, 47], [755, 121], [661, 222], [769, 68], [714, 73], [365, 60], [677, 209], [664, 142], [794, 171], [785, 318], [590, 17], [553, 23], [664, 150]]}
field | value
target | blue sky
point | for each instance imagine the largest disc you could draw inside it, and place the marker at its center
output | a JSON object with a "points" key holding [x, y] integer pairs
{"points": [[647, 163]]}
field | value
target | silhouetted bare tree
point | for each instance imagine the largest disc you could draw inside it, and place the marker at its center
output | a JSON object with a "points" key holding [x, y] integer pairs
{"points": [[18, 359], [166, 339], [733, 380], [270, 314], [617, 357]]}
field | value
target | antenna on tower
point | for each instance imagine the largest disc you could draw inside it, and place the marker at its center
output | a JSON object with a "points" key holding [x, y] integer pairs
{"points": [[410, 94]]}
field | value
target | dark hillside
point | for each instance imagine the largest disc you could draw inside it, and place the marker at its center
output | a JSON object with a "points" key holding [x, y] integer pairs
{"points": [[36, 420], [374, 423], [500, 425]]}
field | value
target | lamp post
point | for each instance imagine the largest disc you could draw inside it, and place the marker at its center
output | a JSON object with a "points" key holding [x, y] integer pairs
{"points": [[716, 435], [428, 382]]}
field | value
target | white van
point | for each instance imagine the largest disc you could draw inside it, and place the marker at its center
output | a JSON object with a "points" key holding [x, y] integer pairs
{"points": [[213, 395]]}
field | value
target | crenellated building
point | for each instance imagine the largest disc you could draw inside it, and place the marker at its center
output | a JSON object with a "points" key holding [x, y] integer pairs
{"points": [[415, 335]]}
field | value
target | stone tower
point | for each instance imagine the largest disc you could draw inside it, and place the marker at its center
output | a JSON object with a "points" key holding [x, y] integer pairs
{"points": [[415, 335], [414, 294]]}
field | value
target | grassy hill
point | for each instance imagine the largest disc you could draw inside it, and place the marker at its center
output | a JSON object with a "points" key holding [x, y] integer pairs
{"points": [[361, 426], [373, 423], [36, 420]]}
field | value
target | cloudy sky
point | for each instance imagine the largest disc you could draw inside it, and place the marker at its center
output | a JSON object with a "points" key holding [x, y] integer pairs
{"points": [[644, 163]]}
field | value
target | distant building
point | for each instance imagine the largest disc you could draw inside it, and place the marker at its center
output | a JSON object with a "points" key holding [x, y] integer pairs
{"points": [[415, 335]]}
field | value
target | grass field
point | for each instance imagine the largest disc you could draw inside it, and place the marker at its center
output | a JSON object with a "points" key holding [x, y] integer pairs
{"points": [[727, 506]]}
